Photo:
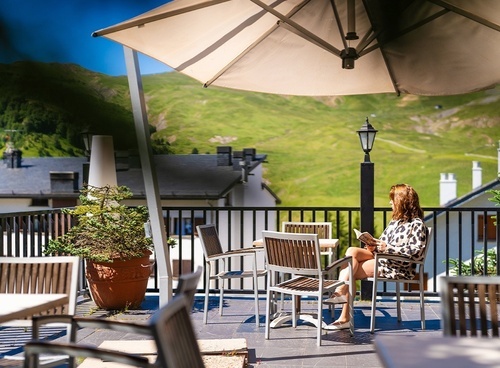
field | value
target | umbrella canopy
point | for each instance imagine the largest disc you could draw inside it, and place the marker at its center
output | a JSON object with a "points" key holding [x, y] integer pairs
{"points": [[324, 47]]}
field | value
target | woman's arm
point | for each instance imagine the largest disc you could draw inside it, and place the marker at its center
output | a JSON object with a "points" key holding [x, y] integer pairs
{"points": [[407, 239]]}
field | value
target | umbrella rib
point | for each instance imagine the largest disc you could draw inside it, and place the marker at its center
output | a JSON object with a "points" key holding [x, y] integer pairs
{"points": [[254, 44], [466, 14], [339, 24], [155, 17], [404, 31], [302, 31]]}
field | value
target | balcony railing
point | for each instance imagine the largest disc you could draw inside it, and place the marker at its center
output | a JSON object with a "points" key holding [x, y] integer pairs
{"points": [[459, 234]]}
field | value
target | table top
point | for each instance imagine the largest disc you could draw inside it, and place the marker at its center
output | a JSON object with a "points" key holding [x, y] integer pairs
{"points": [[437, 351], [17, 306], [323, 243]]}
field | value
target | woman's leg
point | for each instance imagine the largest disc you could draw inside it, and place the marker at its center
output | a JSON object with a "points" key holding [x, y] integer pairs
{"points": [[359, 255], [363, 264]]}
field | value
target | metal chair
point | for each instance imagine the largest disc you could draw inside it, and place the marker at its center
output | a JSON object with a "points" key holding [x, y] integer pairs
{"points": [[171, 327], [214, 253], [186, 290], [470, 305], [417, 281], [299, 255]]}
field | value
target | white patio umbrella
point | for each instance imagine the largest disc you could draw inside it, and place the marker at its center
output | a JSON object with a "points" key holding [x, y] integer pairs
{"points": [[309, 47], [299, 47]]}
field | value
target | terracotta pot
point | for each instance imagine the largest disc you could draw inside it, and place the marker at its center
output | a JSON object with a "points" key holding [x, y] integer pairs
{"points": [[118, 284]]}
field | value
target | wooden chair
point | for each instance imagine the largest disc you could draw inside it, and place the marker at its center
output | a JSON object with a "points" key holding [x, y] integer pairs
{"points": [[299, 255], [398, 281], [186, 289], [323, 229], [171, 327], [41, 275], [212, 249], [470, 305]]}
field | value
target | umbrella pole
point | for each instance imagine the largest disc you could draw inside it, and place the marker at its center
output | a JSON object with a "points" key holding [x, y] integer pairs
{"points": [[162, 251]]}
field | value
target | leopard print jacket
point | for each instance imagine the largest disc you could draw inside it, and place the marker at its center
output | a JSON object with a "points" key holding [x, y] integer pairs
{"points": [[404, 238]]}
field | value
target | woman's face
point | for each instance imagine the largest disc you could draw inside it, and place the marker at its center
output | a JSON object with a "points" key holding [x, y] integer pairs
{"points": [[392, 204]]}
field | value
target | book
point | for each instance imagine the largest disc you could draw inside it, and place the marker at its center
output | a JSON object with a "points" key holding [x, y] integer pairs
{"points": [[365, 237]]}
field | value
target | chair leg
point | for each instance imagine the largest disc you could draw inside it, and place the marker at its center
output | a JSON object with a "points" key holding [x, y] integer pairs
{"points": [[422, 306], [294, 311], [256, 291], [221, 294], [320, 320], [374, 303], [268, 310], [207, 293], [398, 300]]}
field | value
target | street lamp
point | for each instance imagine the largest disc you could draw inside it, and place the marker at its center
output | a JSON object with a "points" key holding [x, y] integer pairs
{"points": [[367, 138]]}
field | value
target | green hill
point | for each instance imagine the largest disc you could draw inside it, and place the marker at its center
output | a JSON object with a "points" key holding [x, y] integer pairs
{"points": [[312, 146]]}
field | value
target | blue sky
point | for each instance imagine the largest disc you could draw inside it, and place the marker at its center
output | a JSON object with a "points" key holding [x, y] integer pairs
{"points": [[60, 31]]}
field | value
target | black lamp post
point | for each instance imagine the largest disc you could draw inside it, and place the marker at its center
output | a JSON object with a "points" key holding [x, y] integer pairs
{"points": [[367, 138]]}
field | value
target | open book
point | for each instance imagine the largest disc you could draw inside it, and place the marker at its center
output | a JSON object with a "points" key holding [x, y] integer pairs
{"points": [[365, 237]]}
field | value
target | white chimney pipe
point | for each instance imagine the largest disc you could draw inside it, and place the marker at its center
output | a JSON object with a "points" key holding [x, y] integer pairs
{"points": [[477, 175], [447, 188], [102, 169]]}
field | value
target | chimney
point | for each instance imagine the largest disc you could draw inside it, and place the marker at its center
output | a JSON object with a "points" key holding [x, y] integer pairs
{"points": [[12, 157], [237, 158], [249, 155], [224, 156], [63, 181], [477, 175], [447, 188]]}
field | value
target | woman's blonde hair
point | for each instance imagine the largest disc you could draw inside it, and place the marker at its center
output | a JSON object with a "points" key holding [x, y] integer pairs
{"points": [[406, 203]]}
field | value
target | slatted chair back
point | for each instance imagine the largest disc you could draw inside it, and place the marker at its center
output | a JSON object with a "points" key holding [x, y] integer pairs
{"points": [[470, 305], [292, 253], [209, 240], [323, 229], [42, 275], [175, 336]]}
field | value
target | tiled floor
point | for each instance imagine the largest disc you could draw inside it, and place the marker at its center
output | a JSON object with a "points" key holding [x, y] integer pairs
{"points": [[287, 347]]}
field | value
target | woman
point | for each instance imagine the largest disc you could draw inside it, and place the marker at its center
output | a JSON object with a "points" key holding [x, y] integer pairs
{"points": [[406, 235]]}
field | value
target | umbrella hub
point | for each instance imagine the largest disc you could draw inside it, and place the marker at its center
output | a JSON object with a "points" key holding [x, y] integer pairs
{"points": [[348, 56]]}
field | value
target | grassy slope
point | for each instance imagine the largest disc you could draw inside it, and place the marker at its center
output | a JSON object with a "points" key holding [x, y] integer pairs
{"points": [[312, 146]]}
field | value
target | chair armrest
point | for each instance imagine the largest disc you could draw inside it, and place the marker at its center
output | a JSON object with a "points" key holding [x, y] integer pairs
{"points": [[338, 263], [79, 350], [234, 253], [38, 321]]}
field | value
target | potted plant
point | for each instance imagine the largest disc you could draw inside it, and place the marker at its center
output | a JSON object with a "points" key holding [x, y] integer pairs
{"points": [[111, 238]]}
